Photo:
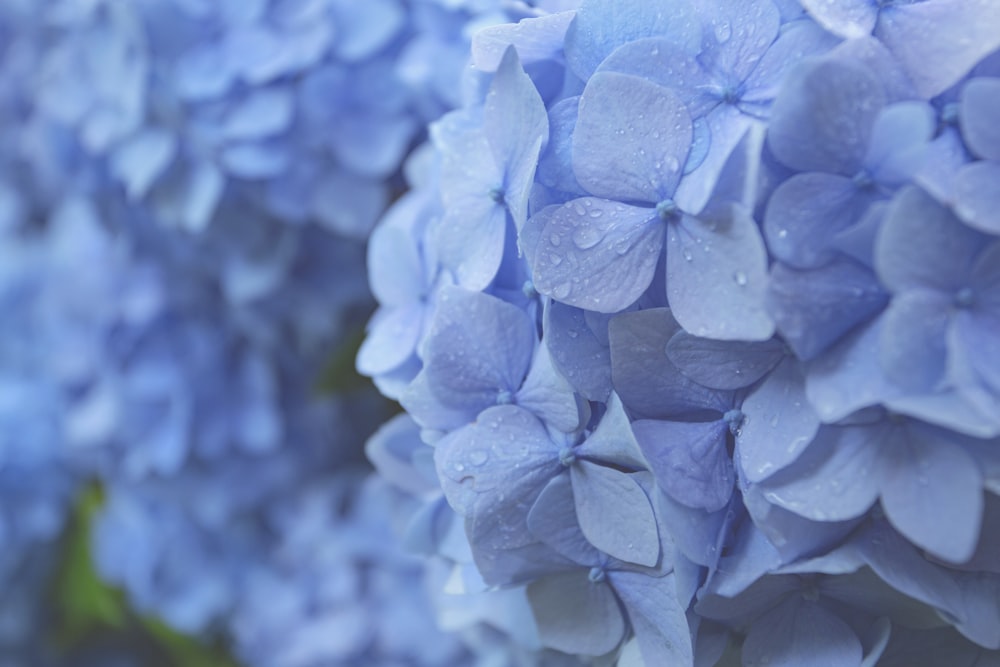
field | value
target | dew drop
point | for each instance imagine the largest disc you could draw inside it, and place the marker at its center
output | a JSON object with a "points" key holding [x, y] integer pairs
{"points": [[740, 278], [561, 291], [555, 259], [687, 254], [555, 239], [586, 237], [478, 457]]}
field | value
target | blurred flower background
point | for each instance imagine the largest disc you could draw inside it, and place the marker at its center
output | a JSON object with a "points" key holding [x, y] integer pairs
{"points": [[499, 333]]}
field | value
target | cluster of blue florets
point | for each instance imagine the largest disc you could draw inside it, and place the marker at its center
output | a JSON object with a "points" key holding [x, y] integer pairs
{"points": [[186, 188], [695, 308]]}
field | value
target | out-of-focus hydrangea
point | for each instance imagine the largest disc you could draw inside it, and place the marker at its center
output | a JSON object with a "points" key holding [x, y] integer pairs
{"points": [[695, 308], [186, 187]]}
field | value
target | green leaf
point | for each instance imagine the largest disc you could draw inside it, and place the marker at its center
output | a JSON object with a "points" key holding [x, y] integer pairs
{"points": [[83, 603]]}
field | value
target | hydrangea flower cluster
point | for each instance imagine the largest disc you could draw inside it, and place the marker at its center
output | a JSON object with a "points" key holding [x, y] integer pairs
{"points": [[185, 189], [695, 307]]}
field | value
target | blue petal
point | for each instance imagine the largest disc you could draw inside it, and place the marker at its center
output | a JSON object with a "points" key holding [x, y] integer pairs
{"points": [[555, 166], [391, 450], [849, 376], [838, 477], [535, 39], [362, 32], [598, 254], [645, 379], [717, 275], [140, 160], [806, 213], [261, 114], [726, 127], [516, 126], [493, 470], [621, 149], [553, 520], [741, 32], [694, 532], [977, 199], [657, 618], [945, 156], [395, 266], [546, 393], [470, 237], [255, 160], [576, 615], [913, 352], [933, 494], [723, 364], [922, 245], [582, 358], [980, 98], [799, 633], [904, 567], [900, 140], [813, 309], [478, 347], [612, 441], [847, 18], [780, 423], [391, 338], [203, 187], [822, 120], [664, 62], [689, 460], [937, 43], [791, 535], [600, 27], [614, 513], [797, 40]]}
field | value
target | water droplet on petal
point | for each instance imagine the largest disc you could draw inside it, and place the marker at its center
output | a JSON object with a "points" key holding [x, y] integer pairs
{"points": [[586, 237], [740, 278], [561, 291], [478, 457]]}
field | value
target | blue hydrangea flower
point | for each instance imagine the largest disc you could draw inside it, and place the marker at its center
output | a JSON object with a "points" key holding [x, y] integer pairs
{"points": [[718, 258]]}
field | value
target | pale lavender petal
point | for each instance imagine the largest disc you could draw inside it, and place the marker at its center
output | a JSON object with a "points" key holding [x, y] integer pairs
{"points": [[645, 379], [845, 18], [800, 633], [576, 615], [823, 119], [623, 151], [723, 364], [614, 513], [689, 460], [923, 245], [717, 277], [838, 477], [582, 358], [938, 42], [932, 493], [600, 27], [977, 197], [516, 126], [780, 423], [980, 98], [598, 254], [658, 619]]}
